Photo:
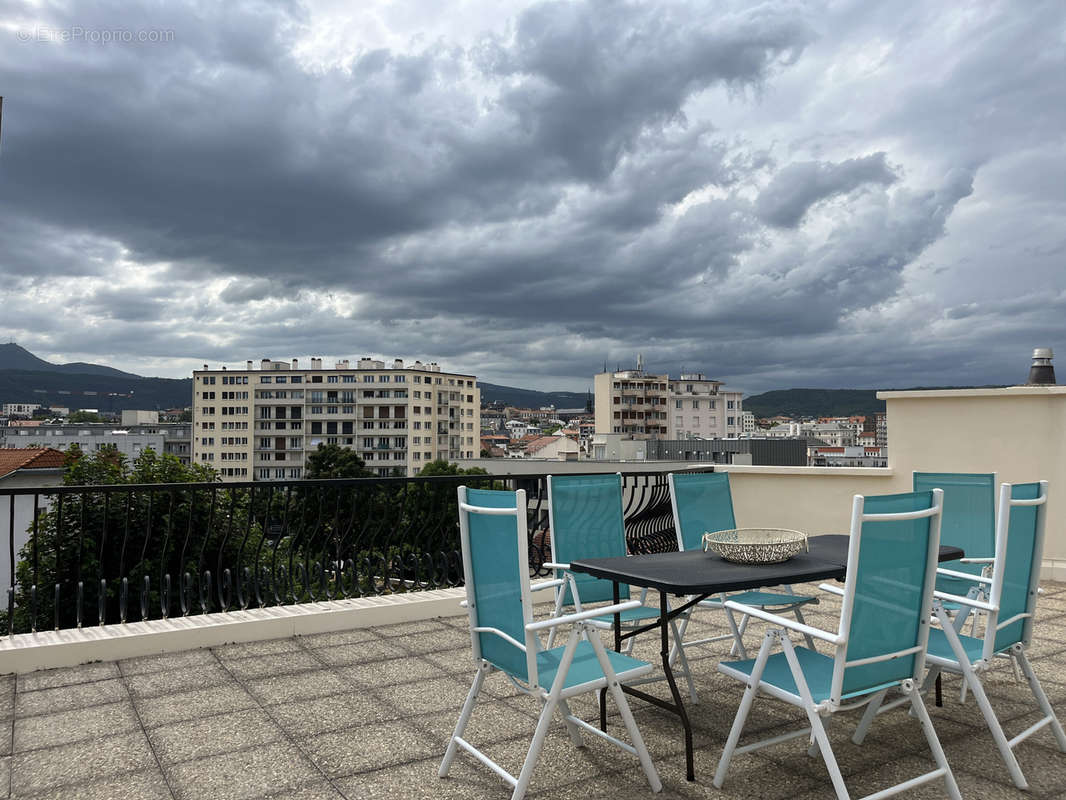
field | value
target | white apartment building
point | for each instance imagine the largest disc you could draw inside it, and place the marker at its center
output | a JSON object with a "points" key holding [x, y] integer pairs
{"points": [[747, 422], [700, 408], [18, 409], [649, 406], [259, 423]]}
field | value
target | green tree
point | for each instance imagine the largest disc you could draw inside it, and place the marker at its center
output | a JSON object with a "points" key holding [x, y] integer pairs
{"points": [[116, 550], [334, 461], [79, 417]]}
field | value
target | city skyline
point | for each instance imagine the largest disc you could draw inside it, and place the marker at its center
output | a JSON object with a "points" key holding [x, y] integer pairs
{"points": [[826, 195]]}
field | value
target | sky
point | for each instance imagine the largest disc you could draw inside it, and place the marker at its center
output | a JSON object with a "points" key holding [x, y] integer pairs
{"points": [[777, 194]]}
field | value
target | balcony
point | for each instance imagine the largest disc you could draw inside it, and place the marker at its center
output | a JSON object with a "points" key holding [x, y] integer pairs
{"points": [[362, 699]]}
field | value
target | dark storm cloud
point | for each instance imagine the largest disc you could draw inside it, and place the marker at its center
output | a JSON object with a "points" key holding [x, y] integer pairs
{"points": [[711, 185], [797, 187]]}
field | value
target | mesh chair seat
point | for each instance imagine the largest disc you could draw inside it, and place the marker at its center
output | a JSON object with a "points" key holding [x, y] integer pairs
{"points": [[763, 599], [585, 668], [940, 648], [630, 615]]}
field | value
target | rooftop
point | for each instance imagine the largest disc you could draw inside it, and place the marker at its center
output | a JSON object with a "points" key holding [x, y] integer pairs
{"points": [[16, 458], [367, 713]]}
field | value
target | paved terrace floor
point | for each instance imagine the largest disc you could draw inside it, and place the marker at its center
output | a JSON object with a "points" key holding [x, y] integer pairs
{"points": [[367, 714]]}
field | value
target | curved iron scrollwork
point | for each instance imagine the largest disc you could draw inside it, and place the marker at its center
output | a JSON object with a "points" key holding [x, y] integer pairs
{"points": [[117, 554]]}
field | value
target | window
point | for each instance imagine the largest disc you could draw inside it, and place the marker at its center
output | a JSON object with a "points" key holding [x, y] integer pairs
{"points": [[332, 378], [297, 379], [729, 404], [695, 403], [731, 421], [281, 379], [383, 378], [695, 422], [677, 403], [368, 379], [712, 402], [266, 379]]}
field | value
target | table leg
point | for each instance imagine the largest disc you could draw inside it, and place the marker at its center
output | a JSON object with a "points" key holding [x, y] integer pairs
{"points": [[664, 623], [939, 690], [618, 648]]}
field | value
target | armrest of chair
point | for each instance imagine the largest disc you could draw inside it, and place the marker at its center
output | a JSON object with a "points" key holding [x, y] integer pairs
{"points": [[828, 587], [536, 587], [966, 601], [791, 624], [554, 565], [579, 616], [977, 561], [966, 576]]}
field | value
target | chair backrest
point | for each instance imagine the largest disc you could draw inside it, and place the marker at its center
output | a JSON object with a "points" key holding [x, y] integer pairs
{"points": [[1016, 573], [969, 517], [888, 591], [702, 502], [585, 516], [492, 526]]}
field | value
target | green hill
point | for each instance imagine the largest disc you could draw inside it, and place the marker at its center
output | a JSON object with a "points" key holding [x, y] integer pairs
{"points": [[529, 398], [814, 402]]}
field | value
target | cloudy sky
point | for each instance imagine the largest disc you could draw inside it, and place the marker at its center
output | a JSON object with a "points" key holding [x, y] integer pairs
{"points": [[828, 194]]}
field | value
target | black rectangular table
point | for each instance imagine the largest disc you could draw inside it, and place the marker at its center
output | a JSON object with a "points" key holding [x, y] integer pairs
{"points": [[698, 575]]}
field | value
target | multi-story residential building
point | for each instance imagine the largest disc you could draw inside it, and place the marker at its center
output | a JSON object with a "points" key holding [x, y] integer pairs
{"points": [[632, 402], [649, 406], [18, 409], [747, 422], [260, 423], [131, 440], [881, 428], [700, 408]]}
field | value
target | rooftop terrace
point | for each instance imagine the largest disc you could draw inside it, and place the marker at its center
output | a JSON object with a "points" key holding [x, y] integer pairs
{"points": [[366, 713]]}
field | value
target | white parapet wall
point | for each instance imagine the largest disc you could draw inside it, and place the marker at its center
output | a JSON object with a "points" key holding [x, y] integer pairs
{"points": [[27, 652]]}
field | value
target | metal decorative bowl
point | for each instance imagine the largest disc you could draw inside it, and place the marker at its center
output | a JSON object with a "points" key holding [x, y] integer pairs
{"points": [[755, 545]]}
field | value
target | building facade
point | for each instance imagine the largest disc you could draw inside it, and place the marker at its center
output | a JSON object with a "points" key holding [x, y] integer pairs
{"points": [[632, 402], [645, 406], [700, 408], [131, 441], [260, 423]]}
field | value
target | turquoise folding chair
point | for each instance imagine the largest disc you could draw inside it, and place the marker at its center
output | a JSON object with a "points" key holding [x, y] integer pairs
{"points": [[1010, 608], [504, 637], [586, 521], [702, 503], [968, 521], [880, 644]]}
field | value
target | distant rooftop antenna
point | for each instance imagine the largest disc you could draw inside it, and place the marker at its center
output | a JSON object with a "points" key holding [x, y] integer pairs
{"points": [[640, 362]]}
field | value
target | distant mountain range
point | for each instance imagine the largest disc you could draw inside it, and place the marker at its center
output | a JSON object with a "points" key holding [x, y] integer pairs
{"points": [[814, 403], [25, 378]]}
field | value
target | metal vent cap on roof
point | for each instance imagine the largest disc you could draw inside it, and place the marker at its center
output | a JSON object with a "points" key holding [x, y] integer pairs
{"points": [[1041, 372]]}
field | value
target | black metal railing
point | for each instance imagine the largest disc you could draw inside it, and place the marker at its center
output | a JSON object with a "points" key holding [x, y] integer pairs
{"points": [[94, 555]]}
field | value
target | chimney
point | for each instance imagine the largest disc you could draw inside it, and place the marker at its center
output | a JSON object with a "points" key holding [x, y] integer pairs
{"points": [[1041, 373], [249, 362], [205, 366], [296, 363]]}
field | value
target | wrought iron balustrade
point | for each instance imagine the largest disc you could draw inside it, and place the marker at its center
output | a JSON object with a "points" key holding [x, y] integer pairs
{"points": [[95, 555]]}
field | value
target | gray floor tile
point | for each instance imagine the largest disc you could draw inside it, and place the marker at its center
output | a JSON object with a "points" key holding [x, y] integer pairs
{"points": [[255, 772], [167, 661], [172, 708], [268, 647], [5, 775], [6, 739], [301, 686], [368, 747], [265, 666], [149, 684], [338, 638], [360, 653], [393, 671], [406, 629], [7, 696], [420, 779], [68, 727], [64, 698], [309, 717], [424, 697], [53, 678], [210, 736], [319, 790], [38, 770], [149, 785]]}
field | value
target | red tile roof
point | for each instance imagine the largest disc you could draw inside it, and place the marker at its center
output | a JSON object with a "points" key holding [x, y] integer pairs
{"points": [[12, 459]]}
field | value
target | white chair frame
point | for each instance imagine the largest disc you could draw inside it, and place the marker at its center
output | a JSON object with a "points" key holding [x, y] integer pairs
{"points": [[839, 641], [971, 671], [555, 696]]}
